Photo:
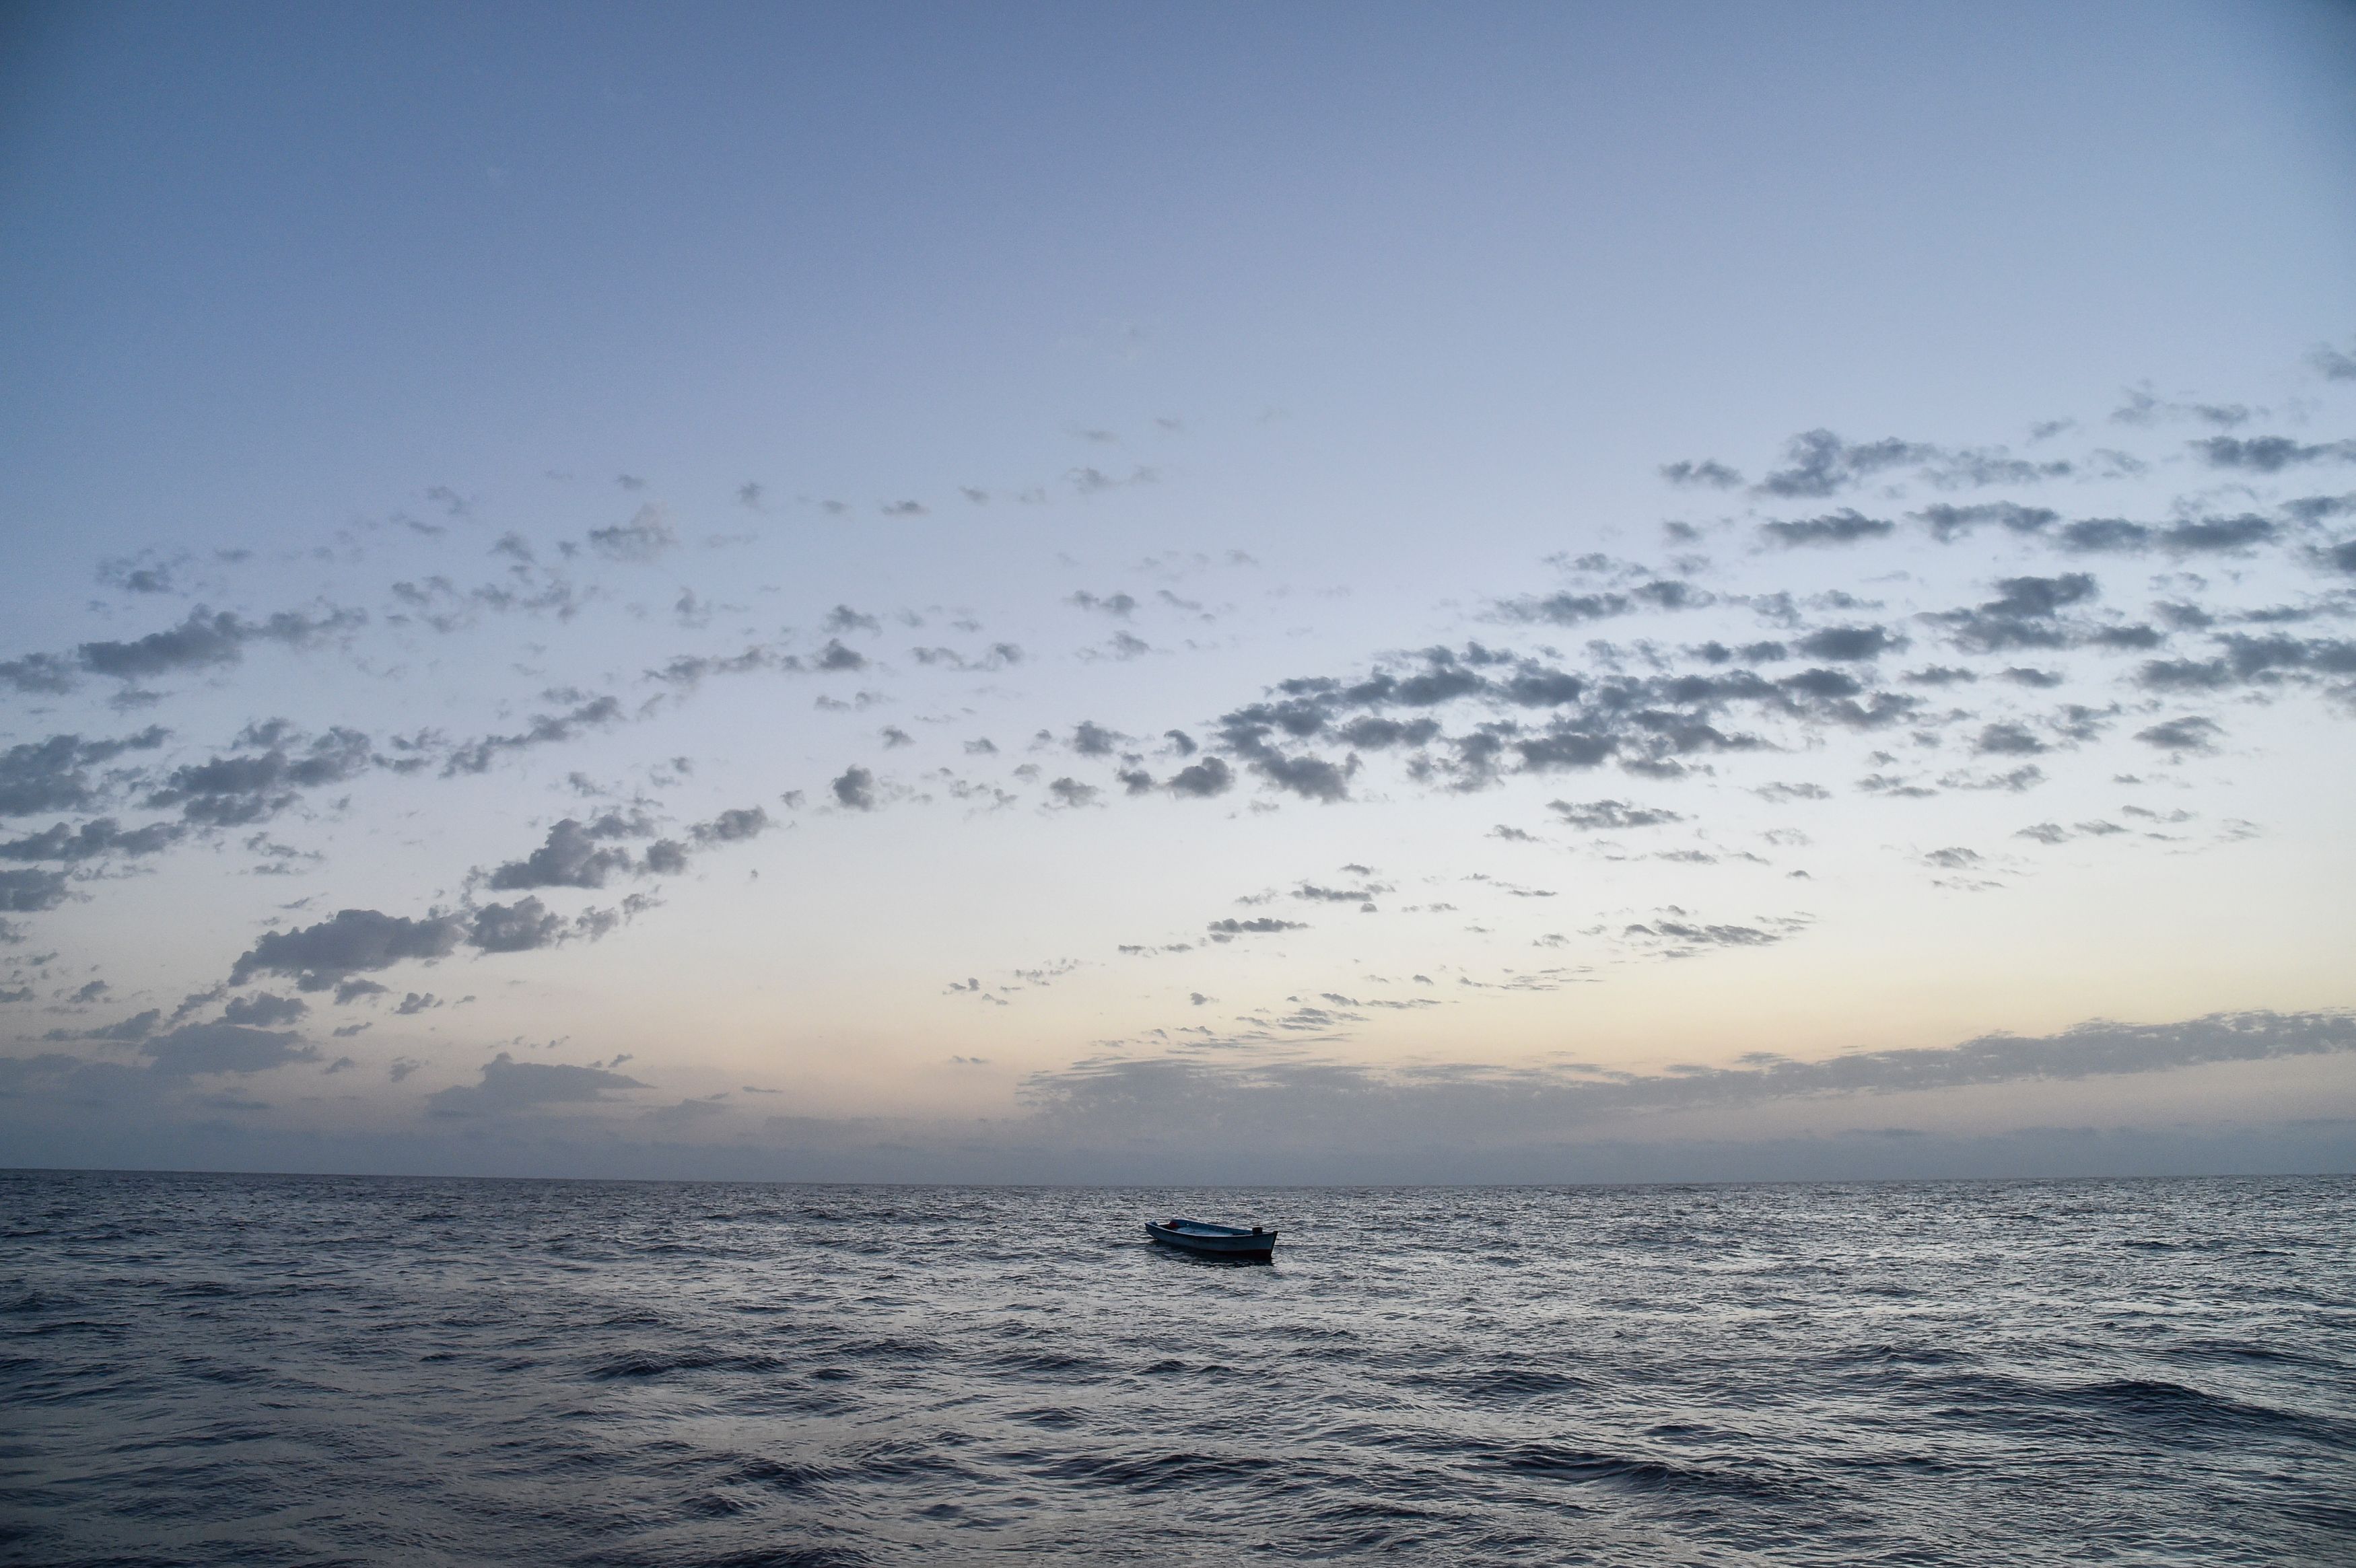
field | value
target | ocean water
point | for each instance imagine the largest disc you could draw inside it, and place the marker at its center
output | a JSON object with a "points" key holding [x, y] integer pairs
{"points": [[262, 1369]]}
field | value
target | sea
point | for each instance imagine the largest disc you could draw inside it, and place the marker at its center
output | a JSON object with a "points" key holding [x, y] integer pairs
{"points": [[269, 1370]]}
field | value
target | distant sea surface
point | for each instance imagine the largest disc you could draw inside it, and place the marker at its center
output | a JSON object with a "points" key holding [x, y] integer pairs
{"points": [[267, 1369]]}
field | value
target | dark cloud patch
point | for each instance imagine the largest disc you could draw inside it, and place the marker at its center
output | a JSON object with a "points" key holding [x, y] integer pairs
{"points": [[1312, 892], [1565, 609], [1116, 604], [1310, 778], [1948, 523], [240, 788], [129, 1030], [1675, 933], [571, 857], [1817, 463], [2332, 362], [264, 1010], [208, 640], [1090, 738], [645, 537], [2269, 453], [1068, 792], [355, 941], [546, 730], [837, 658], [1611, 815], [2208, 535], [843, 618], [104, 836], [39, 673], [1851, 644], [2182, 735], [2024, 614], [518, 927], [1707, 474], [2312, 509], [1210, 776], [2007, 740], [1228, 929], [1266, 1104], [689, 671], [143, 573], [510, 1087], [2216, 535], [855, 788], [54, 775], [733, 827], [1844, 526], [1375, 734], [30, 891], [2246, 660], [193, 1050]]}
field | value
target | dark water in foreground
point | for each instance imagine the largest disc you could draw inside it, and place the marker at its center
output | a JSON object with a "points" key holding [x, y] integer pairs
{"points": [[240, 1370]]}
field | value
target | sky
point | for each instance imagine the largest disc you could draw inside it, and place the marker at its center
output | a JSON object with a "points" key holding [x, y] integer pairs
{"points": [[1216, 595]]}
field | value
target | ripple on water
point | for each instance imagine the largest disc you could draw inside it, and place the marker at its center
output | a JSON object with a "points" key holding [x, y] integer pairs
{"points": [[216, 1370]]}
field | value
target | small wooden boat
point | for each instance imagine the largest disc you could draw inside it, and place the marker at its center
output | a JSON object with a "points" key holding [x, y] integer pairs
{"points": [[1229, 1241]]}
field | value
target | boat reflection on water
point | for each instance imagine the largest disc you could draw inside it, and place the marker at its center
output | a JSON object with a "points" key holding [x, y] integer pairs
{"points": [[1229, 1244]]}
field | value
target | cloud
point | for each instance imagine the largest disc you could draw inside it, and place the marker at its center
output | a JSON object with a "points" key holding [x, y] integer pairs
{"points": [[2210, 536], [240, 788], [518, 927], [31, 892], [2332, 364], [2181, 735], [1116, 604], [1707, 474], [102, 836], [546, 730], [1851, 644], [856, 788], [1228, 929], [1090, 738], [1948, 523], [733, 827], [571, 857], [2248, 660], [1276, 1104], [264, 1010], [1575, 609], [194, 1049], [1611, 815], [54, 775], [644, 538], [2269, 453], [509, 1086], [1844, 526], [843, 618], [356, 940], [836, 657], [1209, 776], [2022, 616], [1817, 463], [1072, 793], [208, 640]]}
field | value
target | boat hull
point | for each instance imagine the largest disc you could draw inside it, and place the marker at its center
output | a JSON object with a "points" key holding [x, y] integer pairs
{"points": [[1228, 1245]]}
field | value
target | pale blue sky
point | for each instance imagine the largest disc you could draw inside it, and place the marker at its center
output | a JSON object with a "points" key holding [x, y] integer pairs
{"points": [[1315, 331]]}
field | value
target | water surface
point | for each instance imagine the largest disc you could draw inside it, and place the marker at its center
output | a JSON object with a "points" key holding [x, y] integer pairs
{"points": [[261, 1370]]}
